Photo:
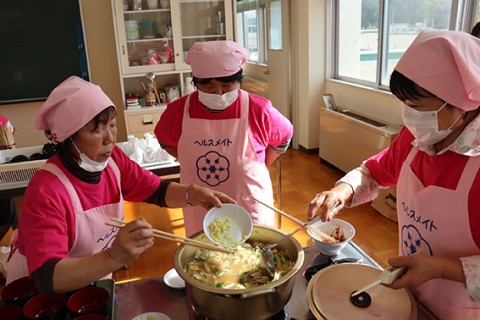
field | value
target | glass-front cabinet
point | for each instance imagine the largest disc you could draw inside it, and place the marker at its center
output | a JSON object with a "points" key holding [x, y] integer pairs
{"points": [[155, 35], [153, 39], [204, 21]]}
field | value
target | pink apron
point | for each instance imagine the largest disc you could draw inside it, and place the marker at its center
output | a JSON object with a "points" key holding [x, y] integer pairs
{"points": [[219, 154], [91, 233], [434, 220]]}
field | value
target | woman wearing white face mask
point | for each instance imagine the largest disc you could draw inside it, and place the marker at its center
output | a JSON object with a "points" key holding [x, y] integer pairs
{"points": [[434, 162], [62, 241], [223, 137]]}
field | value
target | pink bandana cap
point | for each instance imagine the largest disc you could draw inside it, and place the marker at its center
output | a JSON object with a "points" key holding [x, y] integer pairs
{"points": [[215, 59], [447, 64], [69, 107]]}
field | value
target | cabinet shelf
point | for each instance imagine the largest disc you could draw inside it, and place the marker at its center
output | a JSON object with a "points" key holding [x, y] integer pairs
{"points": [[205, 36], [148, 40], [146, 11], [195, 1]]}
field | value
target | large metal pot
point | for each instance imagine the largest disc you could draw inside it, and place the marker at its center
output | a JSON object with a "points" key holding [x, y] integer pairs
{"points": [[254, 303]]}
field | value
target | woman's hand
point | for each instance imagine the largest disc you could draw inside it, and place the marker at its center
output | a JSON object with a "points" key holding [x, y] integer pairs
{"points": [[327, 200], [131, 241], [208, 198], [424, 267]]}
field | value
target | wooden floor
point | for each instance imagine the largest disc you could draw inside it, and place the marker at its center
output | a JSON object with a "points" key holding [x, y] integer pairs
{"points": [[303, 176]]}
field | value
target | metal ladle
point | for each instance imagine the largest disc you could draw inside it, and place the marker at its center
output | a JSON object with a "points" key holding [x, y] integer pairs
{"points": [[267, 254]]}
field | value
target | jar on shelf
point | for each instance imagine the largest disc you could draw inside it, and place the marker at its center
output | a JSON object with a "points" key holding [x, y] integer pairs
{"points": [[152, 4], [131, 28], [149, 29]]}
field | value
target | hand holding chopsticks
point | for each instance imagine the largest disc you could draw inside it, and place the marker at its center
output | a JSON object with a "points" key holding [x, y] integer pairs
{"points": [[303, 224], [175, 238]]}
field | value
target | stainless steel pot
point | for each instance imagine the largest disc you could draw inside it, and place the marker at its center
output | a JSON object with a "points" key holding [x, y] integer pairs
{"points": [[254, 303]]}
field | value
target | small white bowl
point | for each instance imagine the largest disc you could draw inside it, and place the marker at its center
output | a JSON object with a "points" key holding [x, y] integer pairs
{"points": [[239, 219], [331, 249], [173, 280]]}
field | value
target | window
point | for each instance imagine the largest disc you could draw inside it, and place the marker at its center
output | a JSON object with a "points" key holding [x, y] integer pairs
{"points": [[372, 35], [251, 28]]}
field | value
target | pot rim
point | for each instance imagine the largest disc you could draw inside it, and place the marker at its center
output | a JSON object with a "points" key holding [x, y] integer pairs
{"points": [[237, 292]]}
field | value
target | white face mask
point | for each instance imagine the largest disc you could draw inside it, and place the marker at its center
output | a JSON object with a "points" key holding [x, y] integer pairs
{"points": [[88, 164], [424, 124], [218, 101]]}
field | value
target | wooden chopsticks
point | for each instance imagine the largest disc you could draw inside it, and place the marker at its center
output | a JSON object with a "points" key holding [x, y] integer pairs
{"points": [[175, 238], [320, 233]]}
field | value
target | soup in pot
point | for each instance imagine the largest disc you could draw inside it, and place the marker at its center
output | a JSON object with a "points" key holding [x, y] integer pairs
{"points": [[240, 270]]}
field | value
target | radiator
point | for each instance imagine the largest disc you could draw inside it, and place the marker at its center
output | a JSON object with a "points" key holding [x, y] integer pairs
{"points": [[347, 138]]}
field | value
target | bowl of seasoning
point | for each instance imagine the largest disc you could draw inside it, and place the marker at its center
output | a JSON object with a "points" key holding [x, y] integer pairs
{"points": [[340, 230], [228, 226]]}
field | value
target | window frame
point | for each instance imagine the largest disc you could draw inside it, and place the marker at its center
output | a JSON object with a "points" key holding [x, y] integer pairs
{"points": [[261, 32], [463, 17]]}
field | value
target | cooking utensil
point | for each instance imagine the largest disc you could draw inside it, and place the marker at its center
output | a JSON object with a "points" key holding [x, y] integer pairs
{"points": [[320, 233], [267, 255], [387, 277], [175, 238], [328, 294], [151, 76], [262, 302]]}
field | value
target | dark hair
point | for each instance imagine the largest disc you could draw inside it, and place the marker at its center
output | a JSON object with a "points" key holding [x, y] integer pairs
{"points": [[405, 89], [476, 30], [66, 147], [234, 77]]}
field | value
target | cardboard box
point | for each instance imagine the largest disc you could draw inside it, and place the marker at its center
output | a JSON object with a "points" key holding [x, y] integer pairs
{"points": [[386, 203]]}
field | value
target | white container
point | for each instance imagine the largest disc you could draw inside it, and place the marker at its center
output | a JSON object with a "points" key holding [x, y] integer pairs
{"points": [[331, 249], [131, 29], [152, 4]]}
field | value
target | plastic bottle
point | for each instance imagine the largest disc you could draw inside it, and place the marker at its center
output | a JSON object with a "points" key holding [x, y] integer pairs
{"points": [[127, 148], [136, 154], [151, 149], [163, 156]]}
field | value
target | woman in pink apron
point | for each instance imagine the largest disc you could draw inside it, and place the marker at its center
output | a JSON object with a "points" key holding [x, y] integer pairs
{"points": [[223, 137], [62, 240], [434, 162]]}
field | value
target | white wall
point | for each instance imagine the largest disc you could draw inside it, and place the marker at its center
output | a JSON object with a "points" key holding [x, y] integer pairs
{"points": [[312, 81]]}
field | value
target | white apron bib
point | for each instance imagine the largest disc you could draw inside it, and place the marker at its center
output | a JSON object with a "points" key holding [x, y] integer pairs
{"points": [[219, 154], [434, 220], [91, 233]]}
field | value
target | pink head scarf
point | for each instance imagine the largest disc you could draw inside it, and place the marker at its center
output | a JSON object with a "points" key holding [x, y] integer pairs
{"points": [[447, 64], [69, 107], [215, 59]]}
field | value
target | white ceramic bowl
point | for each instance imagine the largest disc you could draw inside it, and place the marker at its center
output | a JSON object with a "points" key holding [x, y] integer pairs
{"points": [[239, 219], [331, 249]]}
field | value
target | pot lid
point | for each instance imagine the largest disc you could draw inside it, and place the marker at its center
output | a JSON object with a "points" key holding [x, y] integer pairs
{"points": [[329, 293]]}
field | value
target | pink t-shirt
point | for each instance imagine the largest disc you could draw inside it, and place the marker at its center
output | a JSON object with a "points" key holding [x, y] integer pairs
{"points": [[443, 170], [47, 227], [267, 125]]}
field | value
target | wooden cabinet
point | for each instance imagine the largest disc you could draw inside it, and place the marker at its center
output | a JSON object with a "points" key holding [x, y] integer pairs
{"points": [[154, 36], [140, 122]]}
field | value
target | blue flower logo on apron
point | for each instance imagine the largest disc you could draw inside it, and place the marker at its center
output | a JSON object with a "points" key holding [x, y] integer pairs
{"points": [[413, 242], [213, 168]]}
